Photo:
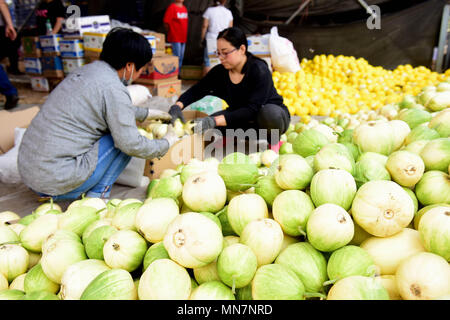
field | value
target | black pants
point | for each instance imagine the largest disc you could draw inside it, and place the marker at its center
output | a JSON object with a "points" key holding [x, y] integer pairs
{"points": [[9, 49], [271, 117]]}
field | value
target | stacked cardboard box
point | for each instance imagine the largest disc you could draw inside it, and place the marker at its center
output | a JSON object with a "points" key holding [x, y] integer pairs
{"points": [[159, 47], [161, 76], [77, 27], [32, 61], [72, 53]]}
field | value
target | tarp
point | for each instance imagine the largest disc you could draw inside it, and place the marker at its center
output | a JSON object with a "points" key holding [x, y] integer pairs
{"points": [[409, 28]]}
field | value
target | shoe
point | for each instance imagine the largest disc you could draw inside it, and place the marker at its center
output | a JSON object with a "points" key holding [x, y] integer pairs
{"points": [[11, 102]]}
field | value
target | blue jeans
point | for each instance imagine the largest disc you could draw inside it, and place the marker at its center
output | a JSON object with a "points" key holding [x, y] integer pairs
{"points": [[6, 88], [178, 50], [206, 58], [111, 162]]}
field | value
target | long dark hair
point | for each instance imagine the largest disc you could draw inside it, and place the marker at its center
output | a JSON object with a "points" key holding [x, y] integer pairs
{"points": [[237, 38]]}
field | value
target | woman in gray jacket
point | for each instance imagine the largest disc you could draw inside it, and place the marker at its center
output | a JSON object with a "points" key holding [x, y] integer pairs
{"points": [[85, 133]]}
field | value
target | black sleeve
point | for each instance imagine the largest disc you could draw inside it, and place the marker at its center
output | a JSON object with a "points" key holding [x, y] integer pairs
{"points": [[204, 87], [260, 85], [59, 9]]}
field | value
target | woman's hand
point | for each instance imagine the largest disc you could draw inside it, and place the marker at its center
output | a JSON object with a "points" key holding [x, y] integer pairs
{"points": [[10, 32], [204, 124], [176, 113]]}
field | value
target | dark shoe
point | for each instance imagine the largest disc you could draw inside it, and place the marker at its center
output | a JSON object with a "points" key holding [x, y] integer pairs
{"points": [[11, 102]]}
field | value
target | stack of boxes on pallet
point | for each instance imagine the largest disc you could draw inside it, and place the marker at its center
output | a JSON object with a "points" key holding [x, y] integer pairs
{"points": [[49, 58], [161, 74], [42, 61], [257, 44]]}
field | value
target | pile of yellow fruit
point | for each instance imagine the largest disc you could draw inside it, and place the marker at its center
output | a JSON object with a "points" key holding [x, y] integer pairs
{"points": [[330, 83]]}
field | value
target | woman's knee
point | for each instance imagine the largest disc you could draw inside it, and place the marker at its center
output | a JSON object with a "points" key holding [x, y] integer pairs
{"points": [[272, 116]]}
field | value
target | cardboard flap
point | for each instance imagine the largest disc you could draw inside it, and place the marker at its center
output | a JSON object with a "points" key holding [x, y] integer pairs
{"points": [[11, 120]]}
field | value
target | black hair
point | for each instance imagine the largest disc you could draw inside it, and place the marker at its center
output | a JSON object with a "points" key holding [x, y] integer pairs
{"points": [[123, 45], [219, 3], [237, 38]]}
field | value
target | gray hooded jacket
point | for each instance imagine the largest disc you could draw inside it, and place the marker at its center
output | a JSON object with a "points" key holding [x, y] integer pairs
{"points": [[59, 149]]}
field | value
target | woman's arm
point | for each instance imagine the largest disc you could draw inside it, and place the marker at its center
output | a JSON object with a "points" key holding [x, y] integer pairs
{"points": [[58, 25], [10, 32], [206, 86]]}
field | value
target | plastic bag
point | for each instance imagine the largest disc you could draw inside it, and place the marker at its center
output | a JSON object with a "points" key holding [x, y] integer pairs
{"points": [[208, 105], [139, 94], [284, 57], [133, 174], [9, 173]]}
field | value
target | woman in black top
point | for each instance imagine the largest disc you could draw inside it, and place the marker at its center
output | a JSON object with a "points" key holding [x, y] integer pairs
{"points": [[52, 10], [244, 81]]}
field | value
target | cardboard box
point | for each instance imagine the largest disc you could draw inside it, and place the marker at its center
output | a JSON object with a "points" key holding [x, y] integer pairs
{"points": [[70, 64], [52, 63], [31, 47], [9, 121], [160, 40], [93, 41], [50, 44], [163, 67], [40, 84], [159, 53], [71, 48], [95, 55], [187, 148], [191, 72], [259, 44], [152, 41], [164, 88], [53, 73], [213, 61], [80, 25], [33, 65], [90, 59]]}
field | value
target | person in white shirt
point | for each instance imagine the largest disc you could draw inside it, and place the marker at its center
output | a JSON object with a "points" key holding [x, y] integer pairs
{"points": [[215, 19]]}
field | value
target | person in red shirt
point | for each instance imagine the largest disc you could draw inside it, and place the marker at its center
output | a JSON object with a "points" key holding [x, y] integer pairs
{"points": [[176, 23]]}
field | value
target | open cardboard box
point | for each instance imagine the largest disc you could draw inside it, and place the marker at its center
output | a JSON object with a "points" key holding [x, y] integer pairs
{"points": [[9, 120], [185, 149]]}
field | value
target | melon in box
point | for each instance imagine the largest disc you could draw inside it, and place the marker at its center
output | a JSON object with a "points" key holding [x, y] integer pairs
{"points": [[187, 148]]}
